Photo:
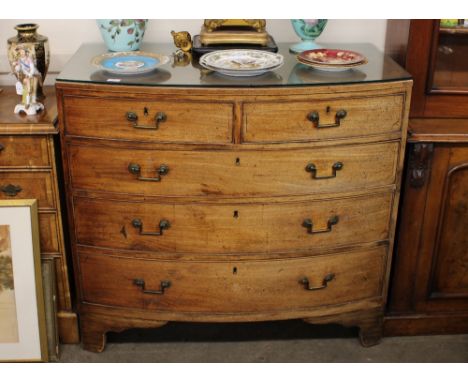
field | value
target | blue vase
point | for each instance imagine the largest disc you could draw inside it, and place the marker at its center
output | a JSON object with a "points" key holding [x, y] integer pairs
{"points": [[308, 30], [122, 35]]}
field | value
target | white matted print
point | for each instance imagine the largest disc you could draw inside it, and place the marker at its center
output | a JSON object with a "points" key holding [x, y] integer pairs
{"points": [[22, 319]]}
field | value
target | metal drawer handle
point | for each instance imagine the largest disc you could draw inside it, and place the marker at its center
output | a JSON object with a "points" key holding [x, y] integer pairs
{"points": [[135, 169], [163, 224], [2, 147], [337, 166], [158, 118], [325, 281], [141, 283], [11, 190], [307, 223], [314, 117]]}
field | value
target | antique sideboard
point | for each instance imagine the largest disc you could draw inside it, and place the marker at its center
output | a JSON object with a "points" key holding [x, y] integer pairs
{"points": [[429, 293], [28, 171], [197, 197]]}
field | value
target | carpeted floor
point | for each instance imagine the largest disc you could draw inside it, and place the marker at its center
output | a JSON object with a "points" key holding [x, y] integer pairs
{"points": [[292, 341]]}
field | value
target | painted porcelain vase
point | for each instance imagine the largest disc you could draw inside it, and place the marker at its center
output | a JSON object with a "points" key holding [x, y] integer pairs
{"points": [[122, 35], [308, 30], [29, 56]]}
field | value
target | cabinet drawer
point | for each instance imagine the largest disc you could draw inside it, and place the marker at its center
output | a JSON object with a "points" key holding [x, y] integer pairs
{"points": [[232, 228], [313, 120], [233, 173], [232, 287], [185, 122], [17, 151], [28, 185], [48, 229]]}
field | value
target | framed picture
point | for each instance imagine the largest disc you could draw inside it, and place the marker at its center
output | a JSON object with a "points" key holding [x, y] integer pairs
{"points": [[22, 315]]}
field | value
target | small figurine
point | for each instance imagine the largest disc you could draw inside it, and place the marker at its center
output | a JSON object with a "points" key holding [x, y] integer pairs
{"points": [[182, 40], [181, 58], [29, 79]]}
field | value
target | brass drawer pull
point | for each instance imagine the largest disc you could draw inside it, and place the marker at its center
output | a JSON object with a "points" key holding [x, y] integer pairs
{"points": [[158, 118], [325, 281], [135, 169], [11, 190], [141, 283], [307, 223], [337, 166], [314, 117], [2, 147], [163, 224]]}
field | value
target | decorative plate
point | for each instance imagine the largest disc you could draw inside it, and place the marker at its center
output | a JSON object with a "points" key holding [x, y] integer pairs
{"points": [[331, 68], [129, 62], [241, 62], [240, 73], [331, 56]]}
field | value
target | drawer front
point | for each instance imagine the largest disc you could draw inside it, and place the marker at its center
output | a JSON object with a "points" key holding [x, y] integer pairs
{"points": [[28, 185], [232, 228], [152, 120], [48, 232], [233, 173], [17, 151], [325, 119], [232, 287]]}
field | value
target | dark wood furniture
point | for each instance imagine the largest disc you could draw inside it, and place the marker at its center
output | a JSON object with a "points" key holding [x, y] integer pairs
{"points": [[429, 286], [232, 201], [28, 171]]}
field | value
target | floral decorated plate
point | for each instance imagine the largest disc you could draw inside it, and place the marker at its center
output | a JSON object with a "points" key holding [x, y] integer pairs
{"points": [[331, 56], [331, 68], [129, 62], [241, 62]]}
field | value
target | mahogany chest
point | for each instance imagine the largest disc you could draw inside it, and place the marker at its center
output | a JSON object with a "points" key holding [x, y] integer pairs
{"points": [[210, 199]]}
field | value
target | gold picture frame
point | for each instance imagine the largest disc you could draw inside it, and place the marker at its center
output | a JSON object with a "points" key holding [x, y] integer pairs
{"points": [[23, 335]]}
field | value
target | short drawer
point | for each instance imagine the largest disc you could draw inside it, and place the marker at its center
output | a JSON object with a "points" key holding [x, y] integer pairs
{"points": [[233, 173], [48, 232], [149, 121], [312, 120], [232, 287], [232, 227], [27, 151], [28, 185]]}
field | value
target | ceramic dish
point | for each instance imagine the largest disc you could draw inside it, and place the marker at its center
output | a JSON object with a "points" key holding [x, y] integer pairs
{"points": [[241, 62], [129, 63], [242, 73], [332, 56], [331, 68]]}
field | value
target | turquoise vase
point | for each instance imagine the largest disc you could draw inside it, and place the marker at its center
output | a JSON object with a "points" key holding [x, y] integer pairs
{"points": [[308, 31], [122, 35]]}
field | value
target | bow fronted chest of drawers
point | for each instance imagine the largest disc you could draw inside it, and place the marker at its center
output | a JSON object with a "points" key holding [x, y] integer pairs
{"points": [[211, 199]]}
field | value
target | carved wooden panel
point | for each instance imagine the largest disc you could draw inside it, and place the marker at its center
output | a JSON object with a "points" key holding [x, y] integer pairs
{"points": [[450, 266]]}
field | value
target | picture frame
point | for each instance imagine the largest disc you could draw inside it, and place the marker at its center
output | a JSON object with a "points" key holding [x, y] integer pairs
{"points": [[49, 286], [23, 335]]}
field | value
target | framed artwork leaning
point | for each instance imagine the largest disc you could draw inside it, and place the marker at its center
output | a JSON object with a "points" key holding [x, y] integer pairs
{"points": [[22, 314]]}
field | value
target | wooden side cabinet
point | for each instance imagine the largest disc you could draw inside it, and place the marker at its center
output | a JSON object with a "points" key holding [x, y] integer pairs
{"points": [[429, 284], [28, 171]]}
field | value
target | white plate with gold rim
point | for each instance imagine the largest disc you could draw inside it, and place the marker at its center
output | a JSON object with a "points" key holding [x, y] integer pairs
{"points": [[241, 62]]}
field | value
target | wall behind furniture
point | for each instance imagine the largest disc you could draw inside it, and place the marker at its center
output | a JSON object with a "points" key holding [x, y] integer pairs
{"points": [[65, 36]]}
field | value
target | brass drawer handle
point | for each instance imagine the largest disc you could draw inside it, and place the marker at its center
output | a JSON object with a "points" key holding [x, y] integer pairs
{"points": [[135, 169], [307, 223], [2, 147], [337, 166], [163, 224], [314, 117], [325, 281], [141, 283], [158, 118], [11, 190]]}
